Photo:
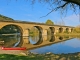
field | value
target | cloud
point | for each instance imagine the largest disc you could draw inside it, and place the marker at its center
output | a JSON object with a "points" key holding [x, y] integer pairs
{"points": [[72, 20], [72, 17]]}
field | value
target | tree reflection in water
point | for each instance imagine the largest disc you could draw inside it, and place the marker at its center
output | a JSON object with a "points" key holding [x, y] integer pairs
{"points": [[10, 41]]}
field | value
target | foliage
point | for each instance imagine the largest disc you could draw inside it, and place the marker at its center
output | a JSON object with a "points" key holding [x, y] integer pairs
{"points": [[66, 31], [49, 22], [77, 29], [9, 29], [34, 31], [17, 57], [4, 18], [47, 56]]}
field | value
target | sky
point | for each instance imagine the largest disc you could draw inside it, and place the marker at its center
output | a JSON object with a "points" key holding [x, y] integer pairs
{"points": [[24, 11]]}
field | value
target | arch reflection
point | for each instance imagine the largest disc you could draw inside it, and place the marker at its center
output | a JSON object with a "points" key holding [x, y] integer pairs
{"points": [[36, 40], [60, 38], [10, 41], [52, 38]]}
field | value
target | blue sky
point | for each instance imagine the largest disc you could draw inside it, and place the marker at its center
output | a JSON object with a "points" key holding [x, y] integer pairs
{"points": [[24, 11]]}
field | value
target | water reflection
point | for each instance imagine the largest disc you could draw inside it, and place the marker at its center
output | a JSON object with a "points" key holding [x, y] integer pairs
{"points": [[17, 41], [68, 46], [61, 38], [52, 38], [10, 41], [43, 44], [35, 40]]}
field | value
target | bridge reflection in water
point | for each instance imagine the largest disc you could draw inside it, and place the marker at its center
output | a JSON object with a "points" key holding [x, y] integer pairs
{"points": [[43, 41], [32, 42]]}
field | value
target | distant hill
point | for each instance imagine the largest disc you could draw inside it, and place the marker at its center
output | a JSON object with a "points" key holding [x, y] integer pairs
{"points": [[4, 18]]}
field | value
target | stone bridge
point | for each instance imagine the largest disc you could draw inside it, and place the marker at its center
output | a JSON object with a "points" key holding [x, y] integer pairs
{"points": [[25, 27]]}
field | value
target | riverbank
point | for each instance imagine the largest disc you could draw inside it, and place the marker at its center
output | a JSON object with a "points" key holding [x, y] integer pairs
{"points": [[47, 56]]}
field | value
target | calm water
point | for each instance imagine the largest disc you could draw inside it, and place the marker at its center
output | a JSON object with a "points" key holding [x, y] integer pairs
{"points": [[68, 46], [10, 41]]}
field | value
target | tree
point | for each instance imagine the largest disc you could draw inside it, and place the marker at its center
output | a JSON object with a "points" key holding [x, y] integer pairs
{"points": [[49, 22], [77, 29], [73, 1], [62, 5], [5, 18]]}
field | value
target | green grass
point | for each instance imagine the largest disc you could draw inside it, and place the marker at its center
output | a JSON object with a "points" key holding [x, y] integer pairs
{"points": [[73, 56], [18, 57]]}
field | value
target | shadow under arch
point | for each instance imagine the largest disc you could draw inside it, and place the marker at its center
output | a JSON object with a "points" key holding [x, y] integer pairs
{"points": [[67, 30], [15, 29], [39, 29], [72, 29], [60, 30], [51, 30]]}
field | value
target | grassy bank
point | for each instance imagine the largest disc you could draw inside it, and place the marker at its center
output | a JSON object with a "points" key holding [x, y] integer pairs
{"points": [[47, 56], [19, 57]]}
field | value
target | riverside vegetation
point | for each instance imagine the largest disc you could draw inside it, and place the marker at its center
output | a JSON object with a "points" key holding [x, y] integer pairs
{"points": [[47, 56]]}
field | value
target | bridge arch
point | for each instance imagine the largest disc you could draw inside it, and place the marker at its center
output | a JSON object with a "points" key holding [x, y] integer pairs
{"points": [[40, 29], [71, 29], [67, 30], [60, 30], [13, 28], [51, 30]]}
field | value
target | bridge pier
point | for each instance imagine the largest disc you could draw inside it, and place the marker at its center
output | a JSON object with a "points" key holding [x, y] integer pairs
{"points": [[56, 30], [25, 41], [44, 32], [70, 30], [44, 38], [25, 33], [64, 29]]}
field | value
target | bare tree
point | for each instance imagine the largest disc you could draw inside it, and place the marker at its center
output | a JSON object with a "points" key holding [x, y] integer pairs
{"points": [[61, 5]]}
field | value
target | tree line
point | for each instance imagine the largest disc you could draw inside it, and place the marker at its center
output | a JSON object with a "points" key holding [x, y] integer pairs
{"points": [[5, 18]]}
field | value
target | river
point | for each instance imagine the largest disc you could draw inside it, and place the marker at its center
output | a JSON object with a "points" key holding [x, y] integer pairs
{"points": [[40, 44]]}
